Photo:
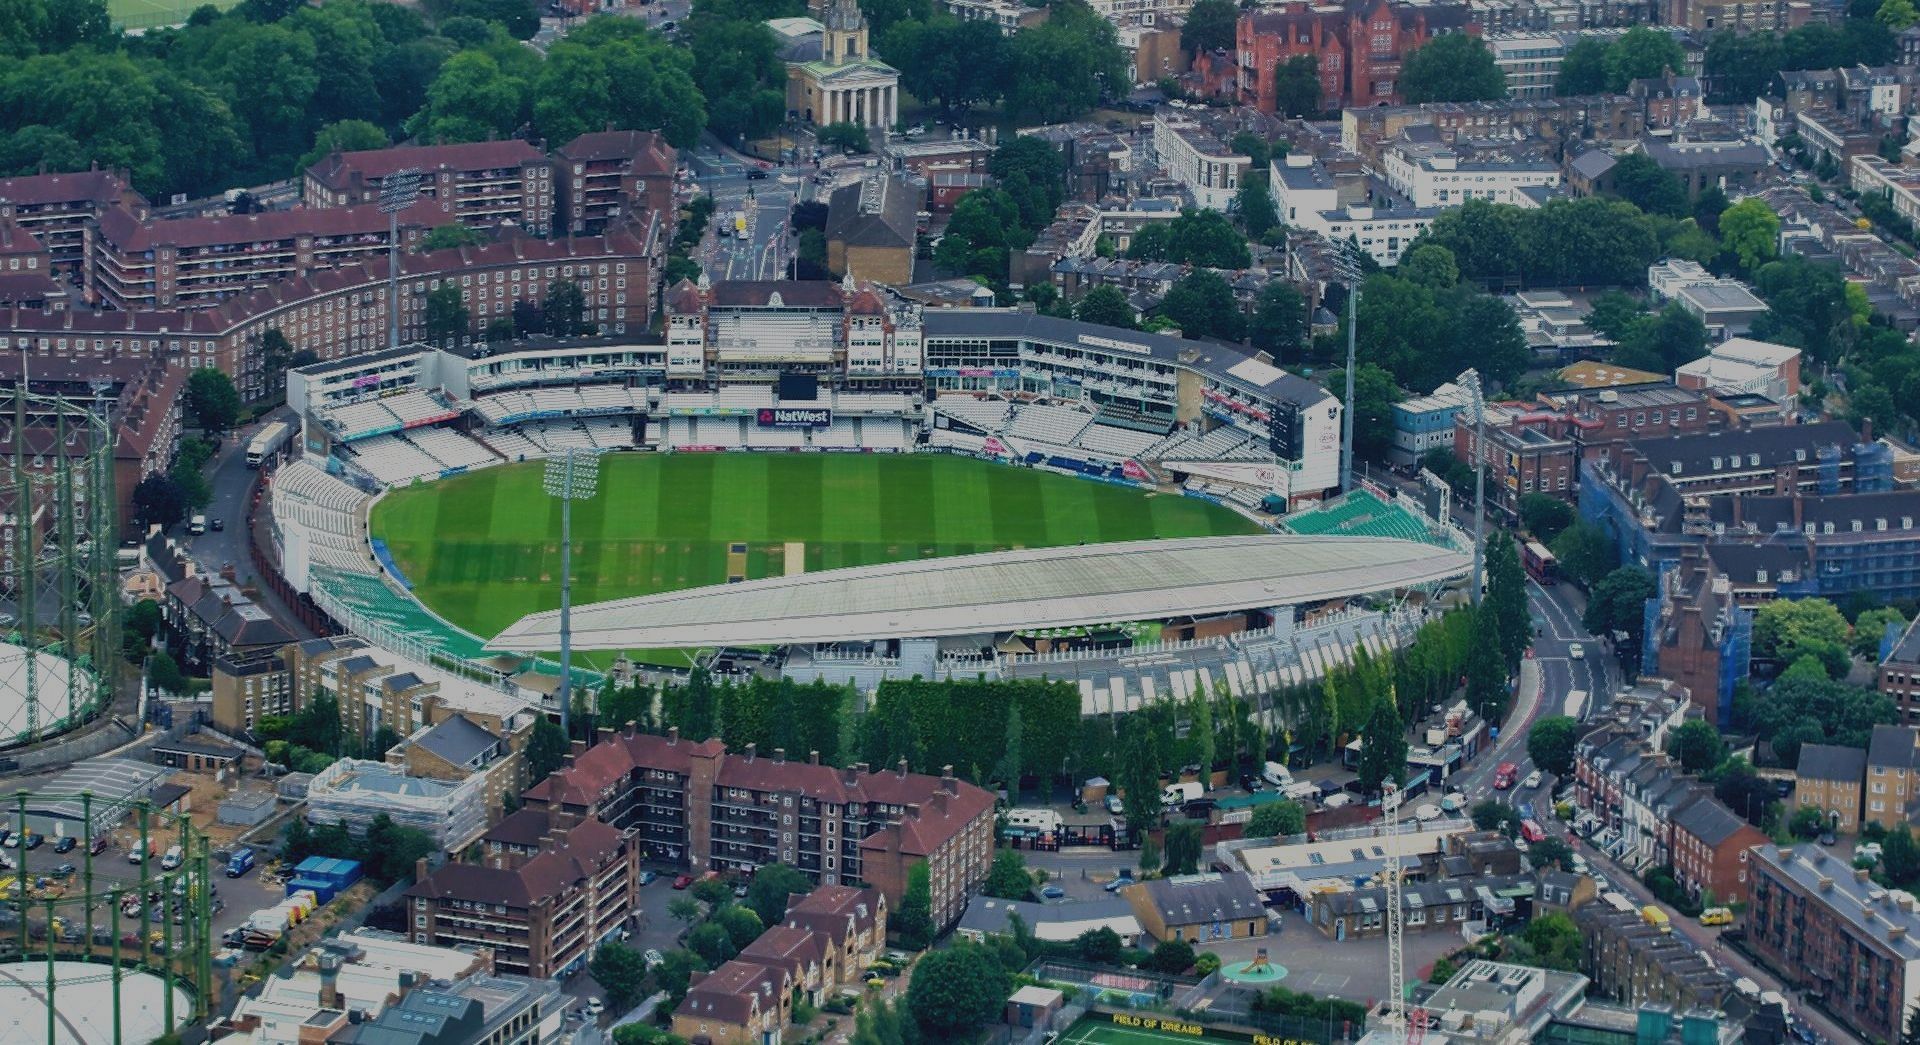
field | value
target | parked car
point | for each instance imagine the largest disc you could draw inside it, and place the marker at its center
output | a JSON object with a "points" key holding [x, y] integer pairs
{"points": [[595, 1007], [653, 957], [216, 524], [1251, 783], [682, 881], [1118, 884], [647, 877], [1053, 892], [66, 844]]}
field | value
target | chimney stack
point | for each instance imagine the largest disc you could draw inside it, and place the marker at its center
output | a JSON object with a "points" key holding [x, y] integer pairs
{"points": [[752, 749], [813, 757], [903, 769], [1859, 874], [632, 727], [673, 734], [779, 756]]}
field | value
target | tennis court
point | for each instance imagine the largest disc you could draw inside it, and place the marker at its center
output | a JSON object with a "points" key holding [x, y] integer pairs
{"points": [[1140, 1029]]}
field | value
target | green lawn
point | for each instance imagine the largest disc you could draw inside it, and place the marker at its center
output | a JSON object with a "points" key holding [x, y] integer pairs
{"points": [[483, 549], [150, 14]]}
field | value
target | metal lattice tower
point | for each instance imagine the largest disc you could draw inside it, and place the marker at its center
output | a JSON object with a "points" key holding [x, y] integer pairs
{"points": [[1477, 402], [59, 634], [572, 476], [1396, 927], [398, 191]]}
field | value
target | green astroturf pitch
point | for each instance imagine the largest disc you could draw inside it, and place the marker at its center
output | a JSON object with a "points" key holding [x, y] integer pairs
{"points": [[1150, 1029], [483, 549]]}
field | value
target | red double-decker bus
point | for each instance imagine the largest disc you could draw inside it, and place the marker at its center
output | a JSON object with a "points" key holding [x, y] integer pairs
{"points": [[1539, 562]]}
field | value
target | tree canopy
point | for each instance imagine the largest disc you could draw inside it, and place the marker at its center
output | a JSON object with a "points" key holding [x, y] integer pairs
{"points": [[1455, 67], [1550, 743]]}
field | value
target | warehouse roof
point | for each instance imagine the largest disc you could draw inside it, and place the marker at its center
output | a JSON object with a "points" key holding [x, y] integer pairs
{"points": [[1001, 591]]}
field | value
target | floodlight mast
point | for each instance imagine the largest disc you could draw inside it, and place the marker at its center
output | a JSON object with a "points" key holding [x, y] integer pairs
{"points": [[573, 475], [398, 191]]}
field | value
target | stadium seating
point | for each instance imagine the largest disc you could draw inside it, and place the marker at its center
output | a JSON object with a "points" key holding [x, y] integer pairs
{"points": [[451, 448], [1361, 514], [1115, 443], [322, 510], [1059, 425], [988, 415], [885, 433], [743, 397], [841, 435], [394, 461], [512, 444]]}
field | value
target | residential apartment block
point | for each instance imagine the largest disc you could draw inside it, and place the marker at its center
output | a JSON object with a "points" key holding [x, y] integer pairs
{"points": [[697, 806], [1634, 963], [62, 210], [1743, 365], [607, 176], [1899, 674], [1530, 450], [549, 890], [1826, 927], [1707, 16], [478, 184], [148, 264], [352, 791], [1831, 779], [1357, 46], [1698, 635], [1435, 174], [1307, 196], [1893, 776], [1710, 844], [1203, 165]]}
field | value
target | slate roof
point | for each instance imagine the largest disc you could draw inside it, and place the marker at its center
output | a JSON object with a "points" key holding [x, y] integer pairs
{"points": [[1832, 762], [459, 741], [1197, 898]]}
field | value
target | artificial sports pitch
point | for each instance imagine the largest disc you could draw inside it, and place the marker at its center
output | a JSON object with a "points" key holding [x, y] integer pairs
{"points": [[483, 549]]}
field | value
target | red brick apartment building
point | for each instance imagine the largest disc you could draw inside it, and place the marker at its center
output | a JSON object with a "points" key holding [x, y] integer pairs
{"points": [[548, 891], [26, 269], [194, 262], [1529, 450], [343, 312], [479, 184], [1821, 925], [697, 806], [1709, 847], [60, 210], [607, 174], [1358, 44]]}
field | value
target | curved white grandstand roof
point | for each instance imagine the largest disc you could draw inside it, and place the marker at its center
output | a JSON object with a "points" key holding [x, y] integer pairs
{"points": [[1000, 591]]}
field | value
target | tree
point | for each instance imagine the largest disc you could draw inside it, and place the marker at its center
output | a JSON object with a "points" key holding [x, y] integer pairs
{"points": [[1550, 743], [914, 926], [1034, 175], [1486, 668], [1751, 230], [1900, 857], [1203, 305], [1554, 942], [1279, 323], [956, 991], [1585, 553], [564, 309], [1374, 394], [1275, 819], [342, 136], [1807, 822], [1787, 629], [1210, 26], [847, 137], [1105, 305], [1545, 516], [951, 64], [684, 909], [1642, 53], [1172, 956], [1137, 772], [546, 749], [447, 317], [1254, 205], [1662, 341], [1618, 603], [1697, 746], [983, 230], [1451, 68], [1489, 815], [1066, 65], [1197, 237], [1009, 878], [1100, 946], [712, 943], [742, 925], [1430, 265], [675, 973], [1551, 852], [1583, 69], [1612, 313], [1647, 185], [449, 237], [1184, 848], [1506, 599], [213, 404], [1383, 745], [1896, 14], [1296, 86], [472, 98], [1871, 628], [770, 889], [163, 673], [158, 501]]}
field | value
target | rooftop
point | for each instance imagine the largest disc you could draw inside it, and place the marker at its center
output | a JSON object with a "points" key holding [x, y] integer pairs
{"points": [[1873, 912], [1001, 591]]}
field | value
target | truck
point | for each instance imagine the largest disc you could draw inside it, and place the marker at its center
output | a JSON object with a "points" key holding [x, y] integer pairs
{"points": [[268, 442], [1504, 775], [240, 862], [1181, 794]]}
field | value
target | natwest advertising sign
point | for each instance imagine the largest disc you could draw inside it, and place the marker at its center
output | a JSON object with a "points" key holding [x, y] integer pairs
{"points": [[794, 417]]}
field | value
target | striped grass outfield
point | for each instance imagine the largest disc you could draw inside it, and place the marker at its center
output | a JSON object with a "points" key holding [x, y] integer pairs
{"points": [[483, 549]]}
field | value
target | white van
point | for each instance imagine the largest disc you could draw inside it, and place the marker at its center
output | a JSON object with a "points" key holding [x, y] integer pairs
{"points": [[1277, 775], [1181, 794], [172, 859], [197, 525], [1337, 799]]}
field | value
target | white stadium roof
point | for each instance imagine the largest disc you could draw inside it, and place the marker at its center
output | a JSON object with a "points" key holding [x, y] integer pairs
{"points": [[1001, 591]]}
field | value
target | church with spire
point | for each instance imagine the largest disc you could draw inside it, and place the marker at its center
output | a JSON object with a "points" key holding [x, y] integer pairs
{"points": [[833, 77]]}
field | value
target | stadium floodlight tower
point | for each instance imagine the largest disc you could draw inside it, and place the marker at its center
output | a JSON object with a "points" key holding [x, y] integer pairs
{"points": [[573, 475], [1477, 402], [1348, 260], [398, 191]]}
